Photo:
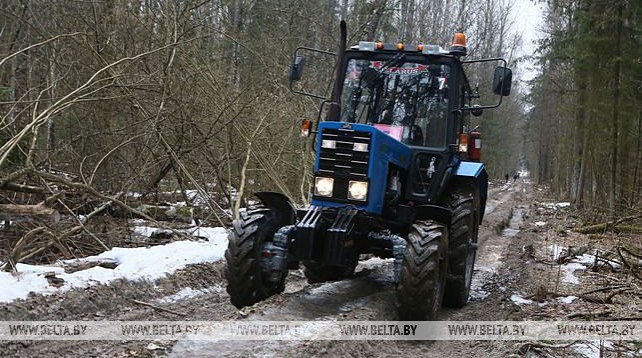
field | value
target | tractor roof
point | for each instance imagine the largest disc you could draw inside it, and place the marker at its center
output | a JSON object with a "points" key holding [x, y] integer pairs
{"points": [[458, 47]]}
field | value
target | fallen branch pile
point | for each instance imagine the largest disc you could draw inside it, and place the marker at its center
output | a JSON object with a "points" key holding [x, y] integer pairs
{"points": [[49, 216], [613, 225]]}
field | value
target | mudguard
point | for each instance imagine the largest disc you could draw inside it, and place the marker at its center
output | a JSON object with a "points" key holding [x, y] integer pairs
{"points": [[283, 206], [476, 173], [436, 212]]}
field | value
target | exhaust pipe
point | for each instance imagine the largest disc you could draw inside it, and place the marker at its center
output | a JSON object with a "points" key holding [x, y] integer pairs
{"points": [[334, 113]]}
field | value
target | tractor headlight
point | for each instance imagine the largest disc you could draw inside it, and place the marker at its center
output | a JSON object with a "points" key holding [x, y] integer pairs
{"points": [[323, 186], [357, 190], [327, 143], [360, 147]]}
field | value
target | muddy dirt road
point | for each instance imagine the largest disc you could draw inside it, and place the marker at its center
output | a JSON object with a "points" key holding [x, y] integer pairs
{"points": [[370, 296], [503, 269]]}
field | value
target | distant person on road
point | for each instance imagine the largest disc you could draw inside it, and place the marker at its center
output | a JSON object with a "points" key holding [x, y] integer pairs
{"points": [[506, 176], [515, 176]]}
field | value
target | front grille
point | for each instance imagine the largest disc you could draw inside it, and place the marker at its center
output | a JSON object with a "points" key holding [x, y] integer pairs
{"points": [[343, 159]]}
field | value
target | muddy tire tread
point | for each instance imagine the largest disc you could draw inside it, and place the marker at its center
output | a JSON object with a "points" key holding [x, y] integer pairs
{"points": [[245, 284], [463, 228], [420, 272]]}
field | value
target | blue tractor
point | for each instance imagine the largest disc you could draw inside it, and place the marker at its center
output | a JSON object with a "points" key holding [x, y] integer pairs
{"points": [[397, 175]]}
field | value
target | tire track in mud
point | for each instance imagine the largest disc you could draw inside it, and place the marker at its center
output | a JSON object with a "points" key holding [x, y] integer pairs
{"points": [[370, 296]]}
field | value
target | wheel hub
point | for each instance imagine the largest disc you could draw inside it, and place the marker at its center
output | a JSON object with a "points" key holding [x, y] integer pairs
{"points": [[274, 255]]}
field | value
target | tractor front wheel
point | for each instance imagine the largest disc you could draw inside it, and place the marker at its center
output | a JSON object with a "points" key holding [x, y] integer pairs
{"points": [[246, 282], [423, 273]]}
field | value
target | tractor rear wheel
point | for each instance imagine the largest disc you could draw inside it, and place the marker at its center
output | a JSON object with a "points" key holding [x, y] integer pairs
{"points": [[464, 226], [423, 273], [246, 283], [316, 272]]}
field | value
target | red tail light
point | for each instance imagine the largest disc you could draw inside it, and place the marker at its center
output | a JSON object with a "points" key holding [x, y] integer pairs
{"points": [[474, 147]]}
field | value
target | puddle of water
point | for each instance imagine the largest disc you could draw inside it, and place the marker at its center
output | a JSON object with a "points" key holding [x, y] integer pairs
{"points": [[508, 232], [489, 258], [491, 205], [480, 287], [330, 298], [515, 222]]}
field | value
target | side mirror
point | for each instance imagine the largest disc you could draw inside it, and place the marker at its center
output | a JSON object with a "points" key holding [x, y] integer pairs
{"points": [[502, 81], [296, 72]]}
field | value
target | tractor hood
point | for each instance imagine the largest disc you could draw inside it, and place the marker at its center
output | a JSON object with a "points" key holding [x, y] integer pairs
{"points": [[351, 152]]}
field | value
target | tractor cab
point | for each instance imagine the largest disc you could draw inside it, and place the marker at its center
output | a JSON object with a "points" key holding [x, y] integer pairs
{"points": [[402, 95]]}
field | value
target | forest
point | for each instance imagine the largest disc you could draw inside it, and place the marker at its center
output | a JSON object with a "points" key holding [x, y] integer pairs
{"points": [[107, 104]]}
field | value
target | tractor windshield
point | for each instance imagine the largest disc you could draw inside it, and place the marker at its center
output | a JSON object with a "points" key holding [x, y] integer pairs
{"points": [[407, 100]]}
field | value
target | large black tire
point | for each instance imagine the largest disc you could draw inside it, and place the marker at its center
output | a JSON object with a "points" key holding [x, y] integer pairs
{"points": [[316, 272], [246, 283], [423, 272], [461, 255]]}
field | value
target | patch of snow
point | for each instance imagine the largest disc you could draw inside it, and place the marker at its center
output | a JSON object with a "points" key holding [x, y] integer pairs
{"points": [[577, 263], [188, 292], [82, 218], [586, 259], [134, 194], [540, 223], [212, 234], [567, 299], [153, 346], [591, 349], [140, 263], [148, 231], [556, 205], [372, 263], [519, 300], [556, 250], [569, 272], [196, 198], [233, 192]]}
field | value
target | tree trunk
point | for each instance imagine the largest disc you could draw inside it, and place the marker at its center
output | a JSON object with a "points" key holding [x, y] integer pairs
{"points": [[235, 60], [378, 7], [577, 181], [617, 53]]}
